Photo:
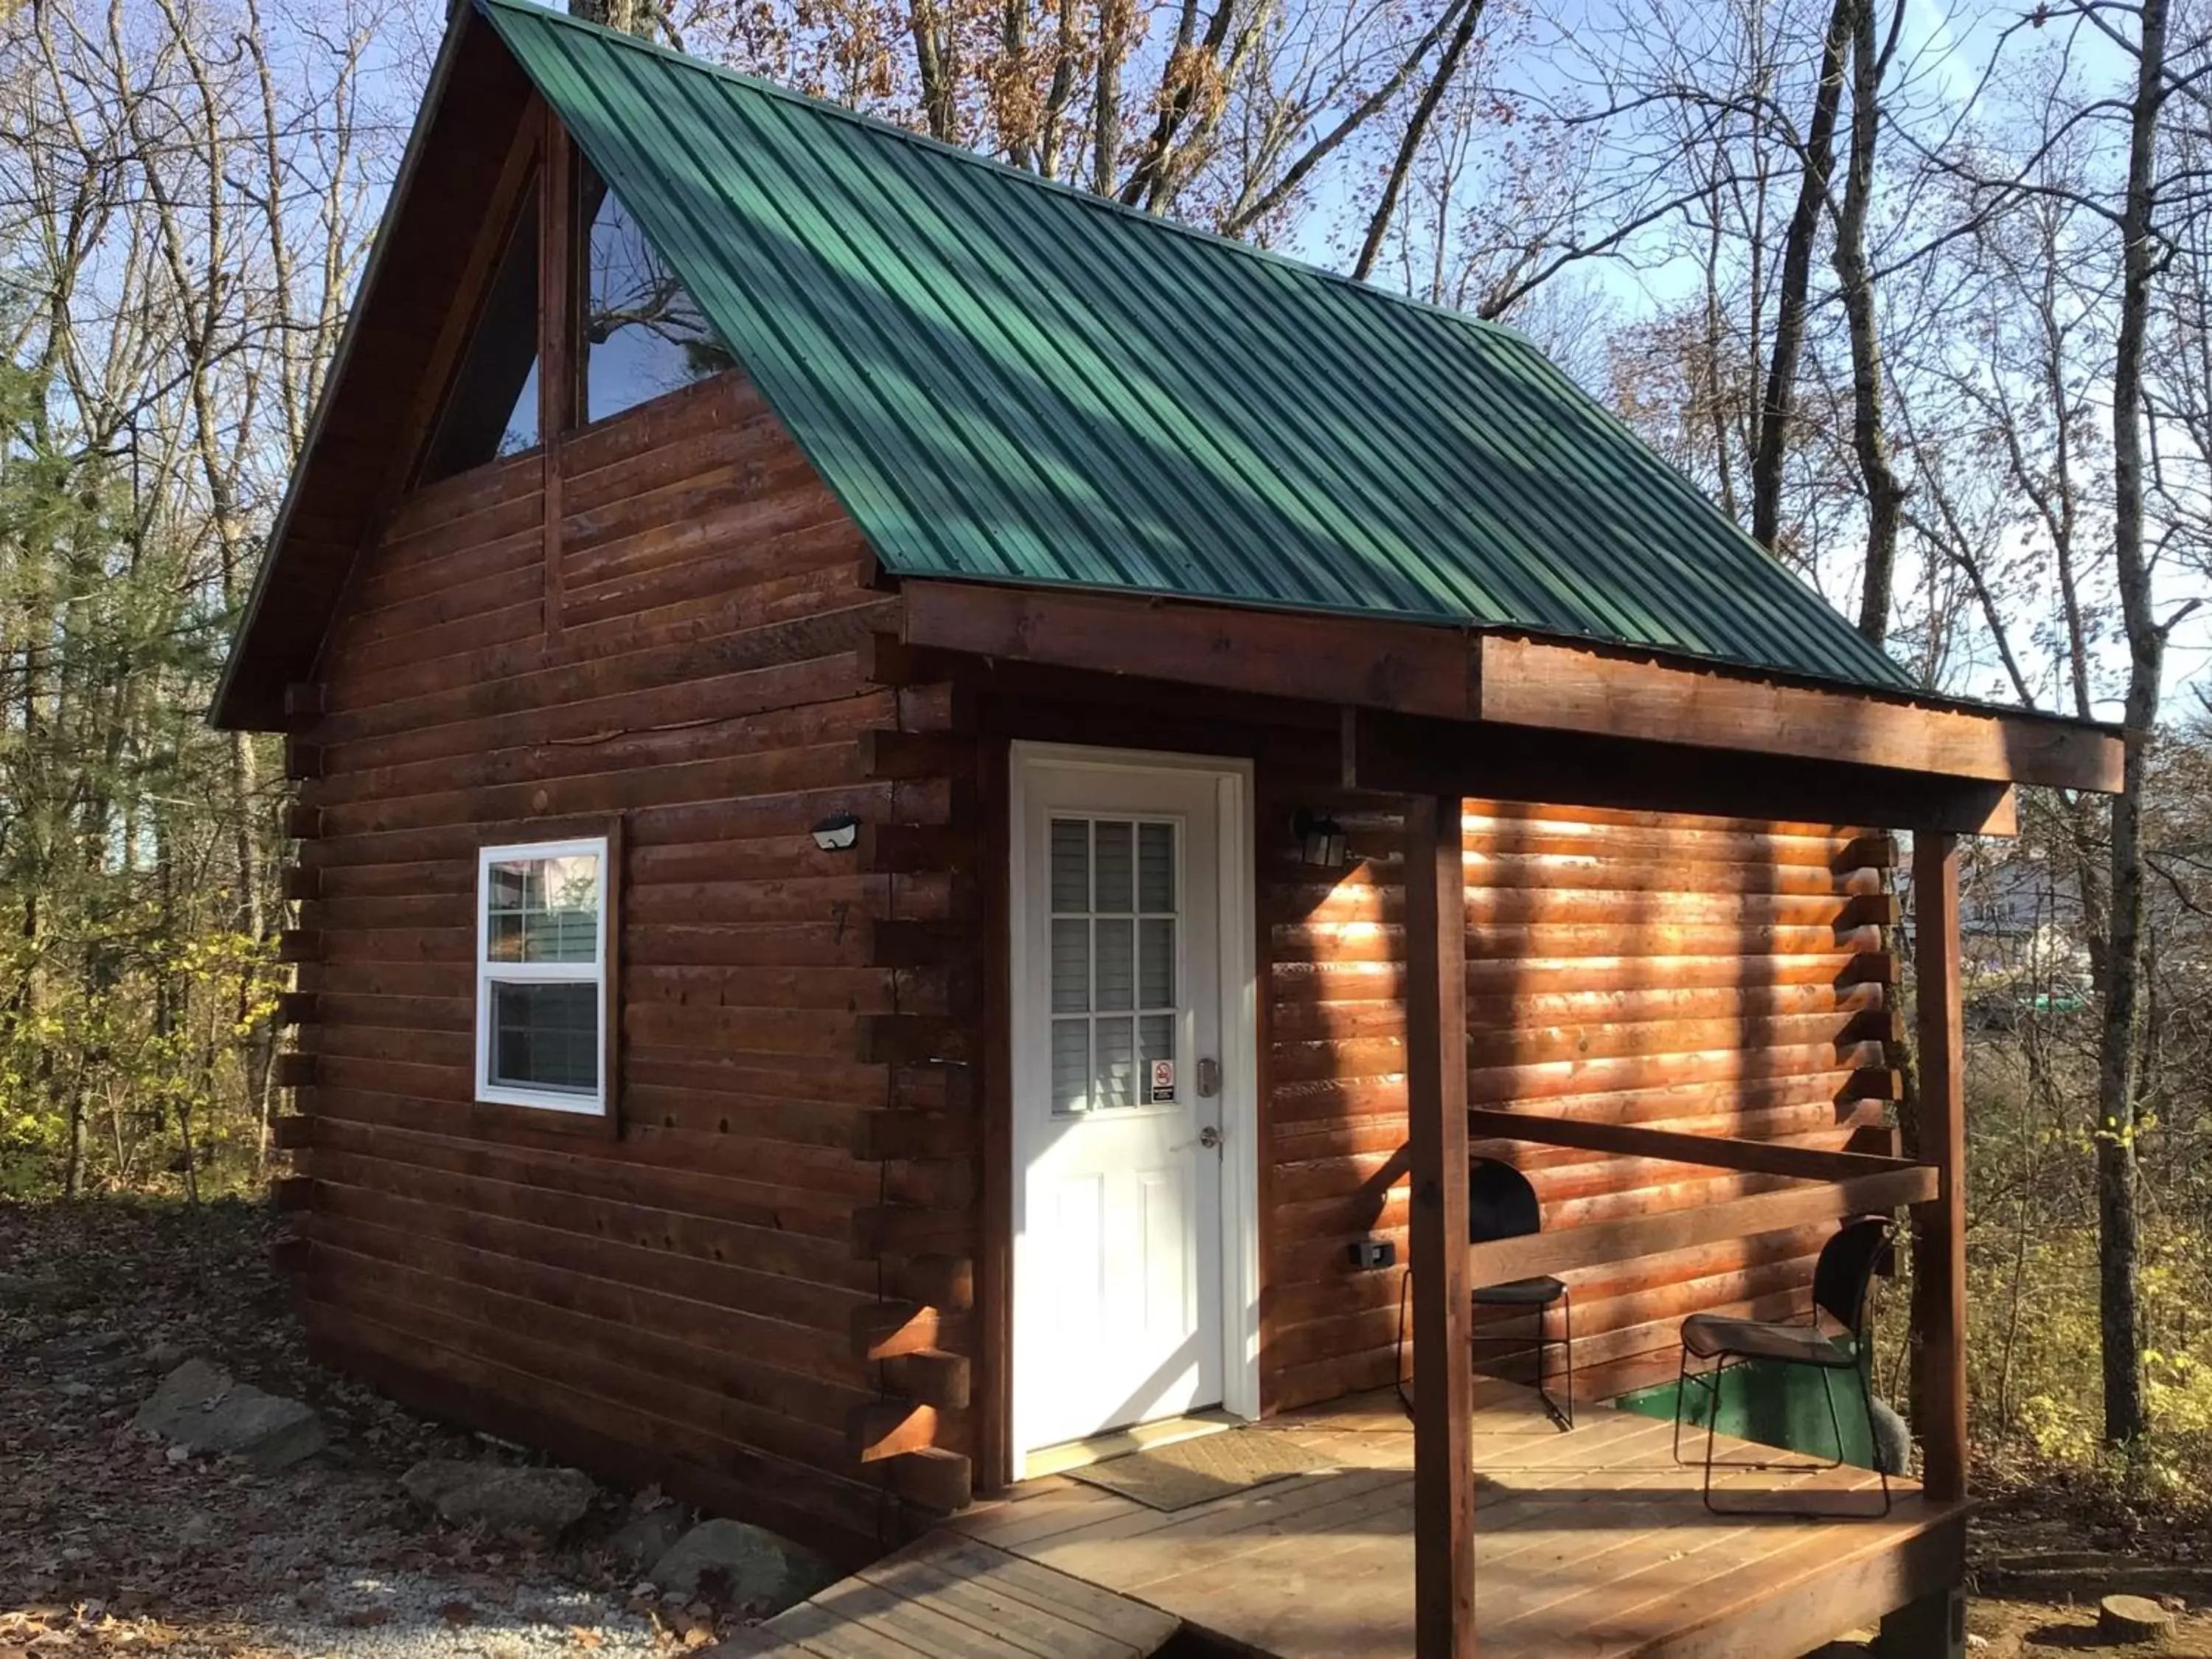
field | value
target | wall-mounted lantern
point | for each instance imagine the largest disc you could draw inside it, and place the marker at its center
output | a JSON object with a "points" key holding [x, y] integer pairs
{"points": [[838, 833], [1321, 839]]}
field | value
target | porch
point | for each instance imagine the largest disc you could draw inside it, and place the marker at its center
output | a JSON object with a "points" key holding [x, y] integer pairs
{"points": [[1588, 1544]]}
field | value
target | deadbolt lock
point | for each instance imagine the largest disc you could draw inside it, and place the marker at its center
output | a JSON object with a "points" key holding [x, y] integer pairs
{"points": [[1209, 1079]]}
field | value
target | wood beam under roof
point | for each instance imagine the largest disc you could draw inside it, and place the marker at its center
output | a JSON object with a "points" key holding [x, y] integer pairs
{"points": [[1542, 689], [1403, 754]]}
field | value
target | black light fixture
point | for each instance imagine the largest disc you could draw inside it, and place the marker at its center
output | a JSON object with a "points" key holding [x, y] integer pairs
{"points": [[1321, 839], [838, 833]]}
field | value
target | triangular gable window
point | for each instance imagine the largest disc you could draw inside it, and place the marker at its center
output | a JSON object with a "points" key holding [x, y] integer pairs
{"points": [[492, 409], [642, 334]]}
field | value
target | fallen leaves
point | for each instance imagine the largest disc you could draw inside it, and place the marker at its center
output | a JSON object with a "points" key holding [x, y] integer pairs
{"points": [[108, 1547], [41, 1632]]}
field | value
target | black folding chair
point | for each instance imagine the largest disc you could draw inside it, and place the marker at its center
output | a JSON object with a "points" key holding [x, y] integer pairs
{"points": [[1501, 1204], [1843, 1280]]}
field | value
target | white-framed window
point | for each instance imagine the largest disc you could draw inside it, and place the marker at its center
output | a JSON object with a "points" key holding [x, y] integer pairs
{"points": [[543, 924]]}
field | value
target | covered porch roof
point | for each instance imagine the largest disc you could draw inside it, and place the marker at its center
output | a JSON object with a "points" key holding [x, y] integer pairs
{"points": [[1434, 709], [1433, 715]]}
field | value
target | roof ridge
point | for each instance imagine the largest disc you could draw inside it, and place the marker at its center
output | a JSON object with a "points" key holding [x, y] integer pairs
{"points": [[544, 10]]}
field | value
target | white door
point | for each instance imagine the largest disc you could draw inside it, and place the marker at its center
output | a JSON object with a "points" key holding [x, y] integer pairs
{"points": [[1117, 1101]]}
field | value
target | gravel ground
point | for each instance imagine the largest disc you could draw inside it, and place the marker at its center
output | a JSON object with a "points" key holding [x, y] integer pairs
{"points": [[409, 1615]]}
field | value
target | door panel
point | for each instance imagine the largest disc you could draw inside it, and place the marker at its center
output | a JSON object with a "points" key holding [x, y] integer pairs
{"points": [[1117, 1177]]}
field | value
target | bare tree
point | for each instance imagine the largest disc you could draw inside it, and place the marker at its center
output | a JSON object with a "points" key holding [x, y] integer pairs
{"points": [[1870, 55]]}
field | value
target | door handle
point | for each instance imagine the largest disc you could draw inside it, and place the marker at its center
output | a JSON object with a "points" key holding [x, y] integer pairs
{"points": [[1210, 1138]]}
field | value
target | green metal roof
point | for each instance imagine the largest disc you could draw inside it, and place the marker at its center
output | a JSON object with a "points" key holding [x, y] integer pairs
{"points": [[1009, 381]]}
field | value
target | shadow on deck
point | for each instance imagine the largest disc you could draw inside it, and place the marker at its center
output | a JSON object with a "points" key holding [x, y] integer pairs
{"points": [[1591, 1544]]}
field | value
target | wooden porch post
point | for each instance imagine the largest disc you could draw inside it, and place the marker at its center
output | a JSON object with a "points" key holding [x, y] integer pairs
{"points": [[1436, 1092], [1939, 1231]]}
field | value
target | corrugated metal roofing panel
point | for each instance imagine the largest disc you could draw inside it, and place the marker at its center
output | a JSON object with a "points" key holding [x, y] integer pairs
{"points": [[1012, 380]]}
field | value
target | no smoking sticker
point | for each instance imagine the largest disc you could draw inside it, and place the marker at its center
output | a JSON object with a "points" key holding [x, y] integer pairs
{"points": [[1162, 1081]]}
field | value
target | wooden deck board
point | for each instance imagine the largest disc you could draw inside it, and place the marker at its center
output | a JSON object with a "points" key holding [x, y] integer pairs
{"points": [[951, 1597], [1588, 1544]]}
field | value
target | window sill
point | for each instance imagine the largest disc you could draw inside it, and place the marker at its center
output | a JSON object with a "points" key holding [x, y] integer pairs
{"points": [[500, 1119], [528, 1101]]}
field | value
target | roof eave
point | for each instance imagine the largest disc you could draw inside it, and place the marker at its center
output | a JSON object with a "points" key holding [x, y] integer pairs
{"points": [[1510, 679]]}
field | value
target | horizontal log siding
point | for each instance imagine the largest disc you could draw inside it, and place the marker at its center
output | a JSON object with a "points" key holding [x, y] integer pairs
{"points": [[1690, 974], [676, 1302], [1695, 974]]}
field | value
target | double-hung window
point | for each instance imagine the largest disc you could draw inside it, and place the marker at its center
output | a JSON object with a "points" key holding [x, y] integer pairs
{"points": [[543, 925]]}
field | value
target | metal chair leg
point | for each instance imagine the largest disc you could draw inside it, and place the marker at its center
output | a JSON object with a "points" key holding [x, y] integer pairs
{"points": [[1681, 1397], [1835, 1420], [1712, 1429], [1873, 1439], [1405, 1302], [1567, 1319], [1708, 1382], [1564, 1417], [1835, 1423]]}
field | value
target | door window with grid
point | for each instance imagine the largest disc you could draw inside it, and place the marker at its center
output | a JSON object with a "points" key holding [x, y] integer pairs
{"points": [[1116, 953]]}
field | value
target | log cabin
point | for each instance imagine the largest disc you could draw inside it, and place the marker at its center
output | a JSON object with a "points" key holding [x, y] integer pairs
{"points": [[933, 817]]}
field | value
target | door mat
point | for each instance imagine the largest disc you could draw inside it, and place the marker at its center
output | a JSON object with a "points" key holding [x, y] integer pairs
{"points": [[1213, 1466]]}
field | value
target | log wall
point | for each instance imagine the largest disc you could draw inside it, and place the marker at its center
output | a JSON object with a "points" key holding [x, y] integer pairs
{"points": [[677, 1299], [1700, 974], [1709, 975], [778, 1286]]}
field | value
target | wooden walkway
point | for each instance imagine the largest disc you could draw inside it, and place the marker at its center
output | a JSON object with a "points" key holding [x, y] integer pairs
{"points": [[951, 1597], [1592, 1545]]}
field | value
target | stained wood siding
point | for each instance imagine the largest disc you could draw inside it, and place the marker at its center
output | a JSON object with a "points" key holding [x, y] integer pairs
{"points": [[777, 1288], [677, 1302], [1702, 975]]}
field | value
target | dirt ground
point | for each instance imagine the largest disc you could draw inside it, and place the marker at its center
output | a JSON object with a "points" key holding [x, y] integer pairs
{"points": [[109, 1544], [2030, 1630]]}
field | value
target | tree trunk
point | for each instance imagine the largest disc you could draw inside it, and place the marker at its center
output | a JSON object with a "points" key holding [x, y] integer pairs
{"points": [[1885, 494], [1818, 165], [637, 17], [1149, 184], [936, 56], [2120, 1242], [1378, 226], [1115, 19]]}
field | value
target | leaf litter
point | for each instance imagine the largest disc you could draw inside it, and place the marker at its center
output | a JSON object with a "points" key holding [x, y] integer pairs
{"points": [[110, 1544]]}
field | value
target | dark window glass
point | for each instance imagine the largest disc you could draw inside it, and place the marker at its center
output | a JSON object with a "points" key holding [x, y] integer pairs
{"points": [[492, 409], [546, 1037], [642, 334]]}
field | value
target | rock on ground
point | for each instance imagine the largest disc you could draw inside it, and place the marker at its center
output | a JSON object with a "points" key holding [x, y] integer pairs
{"points": [[503, 1498], [645, 1537], [200, 1408], [756, 1567]]}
